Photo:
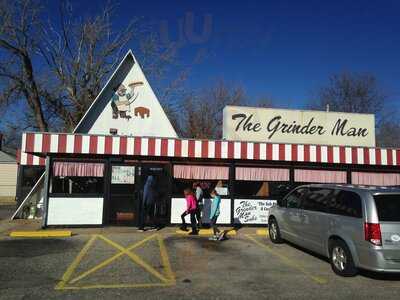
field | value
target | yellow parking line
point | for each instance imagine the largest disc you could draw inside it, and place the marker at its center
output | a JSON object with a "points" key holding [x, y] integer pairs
{"points": [[288, 261], [41, 233], [75, 263], [165, 259], [136, 259], [263, 232], [111, 259], [119, 286], [207, 232], [167, 278]]}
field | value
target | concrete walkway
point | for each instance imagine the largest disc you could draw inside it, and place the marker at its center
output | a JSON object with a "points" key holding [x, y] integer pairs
{"points": [[7, 226]]}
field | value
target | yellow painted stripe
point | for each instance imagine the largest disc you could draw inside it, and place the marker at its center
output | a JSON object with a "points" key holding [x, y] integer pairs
{"points": [[206, 232], [111, 259], [165, 259], [75, 263], [135, 258], [117, 286], [288, 261], [263, 232], [41, 233]]}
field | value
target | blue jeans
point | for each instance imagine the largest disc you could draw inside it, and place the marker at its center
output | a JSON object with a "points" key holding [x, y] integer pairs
{"points": [[213, 224]]}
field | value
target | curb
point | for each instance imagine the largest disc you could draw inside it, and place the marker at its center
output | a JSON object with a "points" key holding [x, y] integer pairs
{"points": [[206, 232], [41, 233], [263, 232]]}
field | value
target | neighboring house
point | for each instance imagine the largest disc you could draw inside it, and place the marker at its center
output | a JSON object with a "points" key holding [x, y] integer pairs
{"points": [[8, 176]]}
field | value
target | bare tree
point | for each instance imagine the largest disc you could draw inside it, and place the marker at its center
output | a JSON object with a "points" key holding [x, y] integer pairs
{"points": [[351, 92], [19, 23], [58, 69], [361, 93], [201, 115], [388, 134], [81, 54]]}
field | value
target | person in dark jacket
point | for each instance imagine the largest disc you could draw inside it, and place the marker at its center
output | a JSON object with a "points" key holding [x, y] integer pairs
{"points": [[199, 198], [148, 203]]}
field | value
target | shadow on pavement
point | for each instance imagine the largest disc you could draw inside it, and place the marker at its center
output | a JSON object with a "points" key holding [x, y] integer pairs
{"points": [[33, 247]]}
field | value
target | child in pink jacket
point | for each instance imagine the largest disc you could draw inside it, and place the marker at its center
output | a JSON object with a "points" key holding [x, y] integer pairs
{"points": [[191, 207]]}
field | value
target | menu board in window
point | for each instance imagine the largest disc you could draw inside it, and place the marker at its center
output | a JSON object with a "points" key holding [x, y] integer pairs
{"points": [[123, 175]]}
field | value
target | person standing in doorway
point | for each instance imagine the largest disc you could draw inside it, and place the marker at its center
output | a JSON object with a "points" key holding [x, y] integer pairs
{"points": [[199, 199], [191, 206], [148, 202], [215, 204]]}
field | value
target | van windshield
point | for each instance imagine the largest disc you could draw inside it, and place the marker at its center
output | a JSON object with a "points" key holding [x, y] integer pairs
{"points": [[388, 207]]}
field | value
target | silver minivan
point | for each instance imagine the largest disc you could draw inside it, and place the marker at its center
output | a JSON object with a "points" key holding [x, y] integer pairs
{"points": [[354, 226]]}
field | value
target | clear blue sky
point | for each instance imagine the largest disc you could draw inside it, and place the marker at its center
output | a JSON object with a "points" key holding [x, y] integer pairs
{"points": [[280, 49]]}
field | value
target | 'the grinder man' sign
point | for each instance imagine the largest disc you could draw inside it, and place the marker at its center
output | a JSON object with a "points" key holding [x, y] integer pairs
{"points": [[298, 126]]}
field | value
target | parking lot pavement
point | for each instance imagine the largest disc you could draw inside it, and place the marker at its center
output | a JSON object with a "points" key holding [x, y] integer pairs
{"points": [[166, 265]]}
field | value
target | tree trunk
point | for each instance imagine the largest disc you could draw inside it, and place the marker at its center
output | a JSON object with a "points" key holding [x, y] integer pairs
{"points": [[32, 94]]}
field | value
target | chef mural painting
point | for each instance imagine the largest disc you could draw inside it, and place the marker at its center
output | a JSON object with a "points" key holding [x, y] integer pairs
{"points": [[293, 126], [128, 106], [123, 99]]}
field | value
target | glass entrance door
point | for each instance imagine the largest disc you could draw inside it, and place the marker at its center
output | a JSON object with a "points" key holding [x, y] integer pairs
{"points": [[123, 195], [159, 176]]}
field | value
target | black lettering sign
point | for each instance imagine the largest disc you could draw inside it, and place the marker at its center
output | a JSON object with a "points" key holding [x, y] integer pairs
{"points": [[276, 124], [341, 129], [245, 123]]}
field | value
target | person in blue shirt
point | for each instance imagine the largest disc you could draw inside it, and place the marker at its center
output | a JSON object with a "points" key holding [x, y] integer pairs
{"points": [[215, 204], [148, 203]]}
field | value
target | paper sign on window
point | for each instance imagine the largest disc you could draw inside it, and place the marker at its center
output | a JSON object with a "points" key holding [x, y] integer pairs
{"points": [[123, 175]]}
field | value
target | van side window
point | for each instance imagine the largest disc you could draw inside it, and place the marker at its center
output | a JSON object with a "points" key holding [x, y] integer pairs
{"points": [[345, 203], [316, 199], [294, 198]]}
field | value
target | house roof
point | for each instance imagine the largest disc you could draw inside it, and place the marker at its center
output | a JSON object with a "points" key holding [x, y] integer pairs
{"points": [[6, 158]]}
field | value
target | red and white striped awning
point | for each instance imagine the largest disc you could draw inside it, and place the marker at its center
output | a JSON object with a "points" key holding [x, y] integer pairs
{"points": [[61, 143], [27, 159]]}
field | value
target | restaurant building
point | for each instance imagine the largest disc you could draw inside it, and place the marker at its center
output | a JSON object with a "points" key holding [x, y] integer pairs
{"points": [[95, 175]]}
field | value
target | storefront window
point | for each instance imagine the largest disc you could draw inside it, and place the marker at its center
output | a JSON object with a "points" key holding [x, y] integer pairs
{"points": [[77, 185], [272, 183], [209, 177], [222, 186], [262, 189], [77, 178]]}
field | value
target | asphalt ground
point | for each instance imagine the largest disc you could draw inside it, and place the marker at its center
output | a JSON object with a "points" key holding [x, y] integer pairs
{"points": [[164, 265]]}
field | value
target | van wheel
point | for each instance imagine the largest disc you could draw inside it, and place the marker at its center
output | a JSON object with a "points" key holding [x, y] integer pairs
{"points": [[274, 233], [341, 259]]}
